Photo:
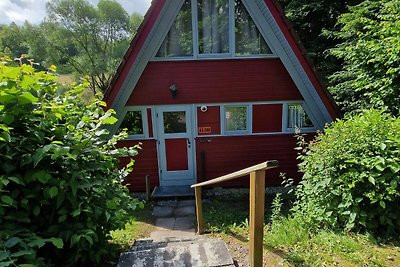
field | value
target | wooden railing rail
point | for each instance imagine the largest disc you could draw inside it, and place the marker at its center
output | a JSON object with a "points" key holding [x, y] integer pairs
{"points": [[257, 199]]}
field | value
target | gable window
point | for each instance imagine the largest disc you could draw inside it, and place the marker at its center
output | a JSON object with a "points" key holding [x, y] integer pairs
{"points": [[134, 123], [248, 39], [297, 117], [210, 28], [213, 26], [179, 40], [236, 119]]}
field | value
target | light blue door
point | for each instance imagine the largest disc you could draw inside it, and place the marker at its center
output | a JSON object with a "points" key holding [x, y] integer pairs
{"points": [[175, 145]]}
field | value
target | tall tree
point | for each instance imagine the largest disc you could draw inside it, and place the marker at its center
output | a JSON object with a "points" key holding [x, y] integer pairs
{"points": [[370, 48], [95, 32], [134, 22], [13, 39], [312, 19]]}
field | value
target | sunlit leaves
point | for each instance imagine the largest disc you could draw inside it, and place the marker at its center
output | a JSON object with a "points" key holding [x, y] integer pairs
{"points": [[351, 175], [370, 49], [57, 171]]}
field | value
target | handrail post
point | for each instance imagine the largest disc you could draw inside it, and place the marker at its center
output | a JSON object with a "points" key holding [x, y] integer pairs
{"points": [[199, 210], [257, 199]]}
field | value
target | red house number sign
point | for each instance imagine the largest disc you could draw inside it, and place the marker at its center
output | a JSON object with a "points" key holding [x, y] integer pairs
{"points": [[204, 130]]}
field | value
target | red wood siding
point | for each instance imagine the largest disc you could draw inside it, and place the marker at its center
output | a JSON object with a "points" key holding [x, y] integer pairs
{"points": [[211, 118], [224, 155], [145, 164], [267, 118], [214, 81], [176, 150]]}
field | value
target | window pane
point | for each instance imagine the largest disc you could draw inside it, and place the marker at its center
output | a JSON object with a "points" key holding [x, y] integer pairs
{"points": [[179, 41], [133, 122], [213, 25], [235, 118], [249, 40], [298, 117], [174, 122]]}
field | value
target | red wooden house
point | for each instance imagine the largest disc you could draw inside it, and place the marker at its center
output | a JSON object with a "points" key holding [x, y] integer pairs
{"points": [[213, 86]]}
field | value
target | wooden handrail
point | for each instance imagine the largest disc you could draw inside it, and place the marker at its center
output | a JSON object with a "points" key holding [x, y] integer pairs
{"points": [[257, 199], [259, 167]]}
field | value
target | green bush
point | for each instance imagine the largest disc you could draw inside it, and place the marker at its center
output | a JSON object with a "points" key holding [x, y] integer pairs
{"points": [[352, 175], [61, 190]]}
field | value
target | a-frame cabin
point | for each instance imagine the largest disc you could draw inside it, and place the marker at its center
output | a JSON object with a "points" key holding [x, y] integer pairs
{"points": [[213, 86]]}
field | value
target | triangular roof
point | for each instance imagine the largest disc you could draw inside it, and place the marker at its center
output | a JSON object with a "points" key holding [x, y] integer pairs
{"points": [[273, 26]]}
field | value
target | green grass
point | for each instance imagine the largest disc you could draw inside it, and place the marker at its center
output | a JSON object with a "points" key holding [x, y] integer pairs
{"points": [[140, 226], [294, 243], [301, 246]]}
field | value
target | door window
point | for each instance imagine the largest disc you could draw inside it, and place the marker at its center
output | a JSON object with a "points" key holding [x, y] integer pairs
{"points": [[174, 122]]}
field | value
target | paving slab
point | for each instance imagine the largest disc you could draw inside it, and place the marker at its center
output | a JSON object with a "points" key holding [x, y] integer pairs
{"points": [[184, 223], [163, 234], [165, 223], [201, 252], [167, 203], [185, 211], [186, 202], [160, 212]]}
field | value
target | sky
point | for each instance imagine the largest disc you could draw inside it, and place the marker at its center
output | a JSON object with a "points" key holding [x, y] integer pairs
{"points": [[34, 10]]}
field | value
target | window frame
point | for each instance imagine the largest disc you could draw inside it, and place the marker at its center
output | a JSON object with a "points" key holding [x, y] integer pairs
{"points": [[145, 123], [285, 119], [232, 39], [248, 130]]}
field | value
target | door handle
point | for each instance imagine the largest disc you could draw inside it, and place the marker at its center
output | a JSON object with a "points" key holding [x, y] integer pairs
{"points": [[188, 142]]}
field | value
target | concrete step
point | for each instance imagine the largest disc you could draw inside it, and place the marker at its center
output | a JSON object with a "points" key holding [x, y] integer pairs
{"points": [[176, 253]]}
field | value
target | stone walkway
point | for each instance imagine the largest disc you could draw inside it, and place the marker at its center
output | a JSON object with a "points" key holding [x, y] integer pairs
{"points": [[174, 243], [174, 219]]}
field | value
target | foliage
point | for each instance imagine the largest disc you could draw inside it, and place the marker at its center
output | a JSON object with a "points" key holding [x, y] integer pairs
{"points": [[352, 175], [276, 207], [82, 39], [13, 38], [370, 48], [311, 20], [60, 188], [134, 22], [140, 225], [95, 33], [299, 245], [288, 241]]}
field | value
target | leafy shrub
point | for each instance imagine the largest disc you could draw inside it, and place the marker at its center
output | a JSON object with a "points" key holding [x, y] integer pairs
{"points": [[352, 175], [60, 188]]}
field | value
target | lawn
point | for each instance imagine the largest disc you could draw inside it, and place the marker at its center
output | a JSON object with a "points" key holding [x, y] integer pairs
{"points": [[140, 225], [289, 243]]}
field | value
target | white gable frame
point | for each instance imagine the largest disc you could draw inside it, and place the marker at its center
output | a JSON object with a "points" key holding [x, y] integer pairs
{"points": [[271, 32]]}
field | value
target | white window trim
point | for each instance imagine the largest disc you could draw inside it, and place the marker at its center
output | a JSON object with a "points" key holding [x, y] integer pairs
{"points": [[145, 123], [249, 131], [248, 120], [232, 40]]}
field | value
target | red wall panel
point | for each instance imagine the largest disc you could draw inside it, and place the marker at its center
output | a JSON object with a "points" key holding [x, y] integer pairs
{"points": [[177, 154], [267, 118], [211, 118], [214, 81], [145, 164], [224, 155]]}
